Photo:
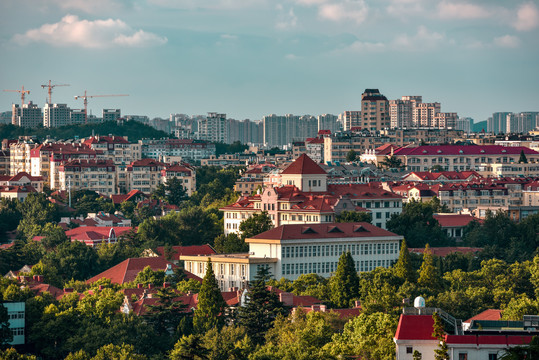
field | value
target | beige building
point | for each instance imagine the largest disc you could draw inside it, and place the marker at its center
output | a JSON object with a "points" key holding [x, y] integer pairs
{"points": [[183, 172], [94, 175], [144, 175], [424, 113], [337, 146]]}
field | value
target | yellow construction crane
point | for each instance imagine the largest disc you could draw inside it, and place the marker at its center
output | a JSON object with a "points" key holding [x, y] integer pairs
{"points": [[22, 92], [85, 97], [50, 86]]}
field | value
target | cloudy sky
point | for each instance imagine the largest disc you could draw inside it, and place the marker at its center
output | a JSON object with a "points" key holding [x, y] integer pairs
{"points": [[250, 58]]}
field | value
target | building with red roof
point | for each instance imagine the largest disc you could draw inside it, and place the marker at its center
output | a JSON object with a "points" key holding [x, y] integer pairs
{"points": [[144, 175], [191, 250], [127, 270], [184, 172], [305, 197], [89, 174], [454, 224], [484, 339], [22, 179], [95, 236], [16, 192], [291, 250]]}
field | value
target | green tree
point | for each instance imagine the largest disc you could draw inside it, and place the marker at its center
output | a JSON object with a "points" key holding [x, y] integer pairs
{"points": [[262, 308], [441, 353], [345, 283], [353, 216], [428, 275], [256, 224], [391, 162], [403, 267], [417, 355], [230, 243], [167, 313], [522, 159], [230, 342], [12, 354], [210, 312], [118, 352], [5, 333], [150, 276], [54, 236], [189, 348], [351, 156], [175, 191]]}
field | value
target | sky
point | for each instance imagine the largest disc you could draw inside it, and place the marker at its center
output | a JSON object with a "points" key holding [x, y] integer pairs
{"points": [[251, 58]]}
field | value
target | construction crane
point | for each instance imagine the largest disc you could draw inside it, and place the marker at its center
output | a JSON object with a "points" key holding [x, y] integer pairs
{"points": [[22, 92], [50, 86], [85, 97]]}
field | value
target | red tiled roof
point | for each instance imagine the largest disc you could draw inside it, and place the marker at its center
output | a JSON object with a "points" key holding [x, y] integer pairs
{"points": [[323, 231], [436, 150], [147, 162], [105, 139], [118, 199], [303, 165], [191, 250], [454, 220], [128, 270], [362, 191], [489, 314], [95, 232], [17, 189], [415, 327], [20, 175]]}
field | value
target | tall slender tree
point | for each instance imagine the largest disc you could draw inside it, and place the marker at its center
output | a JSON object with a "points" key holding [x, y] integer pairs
{"points": [[403, 267], [262, 308], [428, 276], [210, 312], [441, 353], [345, 283]]}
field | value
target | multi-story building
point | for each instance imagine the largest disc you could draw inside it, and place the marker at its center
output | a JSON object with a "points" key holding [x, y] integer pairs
{"points": [[22, 179], [444, 120], [120, 151], [282, 130], [16, 312], [522, 122], [337, 146], [176, 149], [303, 196], [292, 250], [465, 124], [45, 159], [185, 173], [329, 122], [403, 137], [314, 148], [460, 158], [94, 175], [497, 123], [55, 115], [423, 114], [29, 115], [351, 120], [213, 128], [78, 116], [401, 111], [253, 178], [19, 156], [144, 175], [111, 114], [374, 110]]}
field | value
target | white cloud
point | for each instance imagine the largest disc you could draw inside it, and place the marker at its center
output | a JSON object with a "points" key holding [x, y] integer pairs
{"points": [[404, 8], [286, 20], [507, 41], [355, 10], [462, 10], [291, 57], [423, 39], [72, 31], [229, 37], [206, 4], [527, 17]]}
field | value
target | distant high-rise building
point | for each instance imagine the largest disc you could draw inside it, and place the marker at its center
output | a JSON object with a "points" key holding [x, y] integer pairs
{"points": [[521, 122], [213, 128], [55, 115], [111, 114], [443, 120], [29, 115], [351, 119], [423, 114], [374, 110], [465, 124], [282, 130], [401, 111], [78, 116], [329, 122], [497, 124]]}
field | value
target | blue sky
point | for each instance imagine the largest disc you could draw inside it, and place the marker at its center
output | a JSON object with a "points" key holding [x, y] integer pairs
{"points": [[250, 58]]}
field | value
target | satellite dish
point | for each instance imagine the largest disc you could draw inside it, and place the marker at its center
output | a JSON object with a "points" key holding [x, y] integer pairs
{"points": [[419, 302]]}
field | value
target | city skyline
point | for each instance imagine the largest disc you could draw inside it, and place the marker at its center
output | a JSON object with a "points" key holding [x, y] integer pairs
{"points": [[253, 59]]}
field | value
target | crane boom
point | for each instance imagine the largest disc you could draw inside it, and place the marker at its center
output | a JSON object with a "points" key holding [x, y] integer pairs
{"points": [[22, 92], [50, 86], [85, 98]]}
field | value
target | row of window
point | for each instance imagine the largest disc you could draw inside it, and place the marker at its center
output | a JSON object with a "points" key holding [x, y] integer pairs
{"points": [[329, 267], [219, 269], [337, 250], [16, 315], [17, 331]]}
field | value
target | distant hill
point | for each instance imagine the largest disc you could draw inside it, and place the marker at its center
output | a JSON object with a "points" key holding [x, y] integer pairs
{"points": [[134, 130], [477, 127]]}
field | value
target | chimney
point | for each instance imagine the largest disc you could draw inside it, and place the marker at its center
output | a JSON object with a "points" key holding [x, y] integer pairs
{"points": [[40, 278], [357, 304], [68, 290], [140, 286], [150, 286], [35, 277], [166, 284], [286, 298]]}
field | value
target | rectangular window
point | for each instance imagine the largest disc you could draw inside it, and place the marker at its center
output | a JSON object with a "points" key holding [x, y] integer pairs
{"points": [[221, 269], [492, 356], [409, 350], [463, 356], [243, 270]]}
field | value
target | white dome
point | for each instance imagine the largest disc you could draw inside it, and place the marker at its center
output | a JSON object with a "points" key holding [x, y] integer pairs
{"points": [[419, 302]]}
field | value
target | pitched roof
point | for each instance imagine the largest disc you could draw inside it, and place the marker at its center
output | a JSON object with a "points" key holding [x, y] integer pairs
{"points": [[191, 250], [95, 232], [454, 220], [415, 327], [303, 165], [489, 314], [322, 231], [128, 270]]}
